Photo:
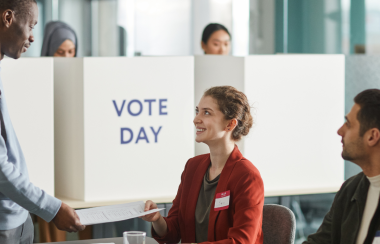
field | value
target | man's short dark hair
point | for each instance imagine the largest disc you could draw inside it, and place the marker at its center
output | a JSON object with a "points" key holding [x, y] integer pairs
{"points": [[18, 6], [369, 113]]}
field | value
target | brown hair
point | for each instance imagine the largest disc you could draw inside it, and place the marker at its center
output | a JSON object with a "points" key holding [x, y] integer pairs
{"points": [[369, 113], [234, 105]]}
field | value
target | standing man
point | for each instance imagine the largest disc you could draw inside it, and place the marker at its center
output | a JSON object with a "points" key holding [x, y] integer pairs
{"points": [[18, 196], [354, 217]]}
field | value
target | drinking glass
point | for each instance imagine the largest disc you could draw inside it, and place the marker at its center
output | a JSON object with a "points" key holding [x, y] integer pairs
{"points": [[134, 237]]}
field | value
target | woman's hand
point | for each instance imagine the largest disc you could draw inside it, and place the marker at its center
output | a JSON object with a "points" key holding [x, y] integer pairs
{"points": [[153, 217], [158, 222]]}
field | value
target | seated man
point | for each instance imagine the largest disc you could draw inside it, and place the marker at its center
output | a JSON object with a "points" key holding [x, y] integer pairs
{"points": [[355, 215]]}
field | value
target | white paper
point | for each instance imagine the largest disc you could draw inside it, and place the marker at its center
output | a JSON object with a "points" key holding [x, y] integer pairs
{"points": [[113, 213]]}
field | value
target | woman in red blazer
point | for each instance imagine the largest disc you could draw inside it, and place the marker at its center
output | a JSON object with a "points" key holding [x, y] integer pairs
{"points": [[221, 195]]}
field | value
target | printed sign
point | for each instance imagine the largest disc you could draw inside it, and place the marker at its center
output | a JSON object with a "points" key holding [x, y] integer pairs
{"points": [[138, 130]]}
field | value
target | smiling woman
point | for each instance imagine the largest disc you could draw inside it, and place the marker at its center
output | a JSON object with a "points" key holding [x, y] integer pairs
{"points": [[234, 105], [221, 195]]}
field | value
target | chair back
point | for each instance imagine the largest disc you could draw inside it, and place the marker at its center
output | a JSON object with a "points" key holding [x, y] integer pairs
{"points": [[279, 225]]}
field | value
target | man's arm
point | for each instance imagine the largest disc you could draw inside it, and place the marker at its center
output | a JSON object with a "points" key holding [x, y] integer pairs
{"points": [[323, 234], [17, 187]]}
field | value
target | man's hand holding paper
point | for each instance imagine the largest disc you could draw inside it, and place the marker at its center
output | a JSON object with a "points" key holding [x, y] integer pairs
{"points": [[67, 219]]}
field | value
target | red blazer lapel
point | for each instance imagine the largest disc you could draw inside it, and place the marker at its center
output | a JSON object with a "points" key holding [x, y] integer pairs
{"points": [[222, 187], [193, 197]]}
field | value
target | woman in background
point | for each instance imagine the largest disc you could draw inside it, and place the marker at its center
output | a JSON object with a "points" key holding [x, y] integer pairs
{"points": [[221, 195], [60, 40], [216, 40]]}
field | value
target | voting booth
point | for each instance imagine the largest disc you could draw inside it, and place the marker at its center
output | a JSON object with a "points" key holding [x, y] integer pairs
{"points": [[297, 105], [123, 126], [28, 89]]}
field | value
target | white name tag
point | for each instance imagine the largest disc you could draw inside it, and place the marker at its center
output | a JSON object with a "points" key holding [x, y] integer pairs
{"points": [[222, 201]]}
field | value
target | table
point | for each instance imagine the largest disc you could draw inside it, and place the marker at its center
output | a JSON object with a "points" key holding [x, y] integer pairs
{"points": [[118, 240]]}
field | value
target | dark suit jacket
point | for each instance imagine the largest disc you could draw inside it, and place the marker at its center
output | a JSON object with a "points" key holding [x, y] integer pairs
{"points": [[240, 223], [341, 224]]}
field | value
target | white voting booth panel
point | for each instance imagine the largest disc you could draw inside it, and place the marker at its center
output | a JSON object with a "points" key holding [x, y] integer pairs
{"points": [[124, 126], [28, 88], [298, 106]]}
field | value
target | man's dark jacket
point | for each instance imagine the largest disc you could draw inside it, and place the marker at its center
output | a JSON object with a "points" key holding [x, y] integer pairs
{"points": [[342, 223]]}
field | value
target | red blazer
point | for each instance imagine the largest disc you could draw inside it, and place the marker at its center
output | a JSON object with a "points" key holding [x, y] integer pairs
{"points": [[240, 223]]}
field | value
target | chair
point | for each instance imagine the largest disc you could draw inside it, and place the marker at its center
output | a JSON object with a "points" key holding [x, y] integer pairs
{"points": [[278, 225]]}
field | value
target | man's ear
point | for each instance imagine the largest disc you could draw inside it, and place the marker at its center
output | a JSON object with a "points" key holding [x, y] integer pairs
{"points": [[373, 137], [7, 18], [232, 124]]}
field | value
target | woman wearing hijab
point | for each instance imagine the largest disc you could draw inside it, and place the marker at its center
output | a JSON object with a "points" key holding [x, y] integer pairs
{"points": [[60, 40]]}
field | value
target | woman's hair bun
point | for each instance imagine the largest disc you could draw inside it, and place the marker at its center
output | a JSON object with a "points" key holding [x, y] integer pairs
{"points": [[234, 105]]}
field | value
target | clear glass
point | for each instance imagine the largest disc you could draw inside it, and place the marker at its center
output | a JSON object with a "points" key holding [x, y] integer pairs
{"points": [[134, 237]]}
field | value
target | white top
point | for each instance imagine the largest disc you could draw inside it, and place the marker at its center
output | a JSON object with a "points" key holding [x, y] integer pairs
{"points": [[370, 207]]}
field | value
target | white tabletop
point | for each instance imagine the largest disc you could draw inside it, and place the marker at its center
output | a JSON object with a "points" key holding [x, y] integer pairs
{"points": [[118, 240]]}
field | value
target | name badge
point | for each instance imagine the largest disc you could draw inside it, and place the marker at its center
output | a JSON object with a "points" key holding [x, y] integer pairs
{"points": [[376, 240], [222, 201]]}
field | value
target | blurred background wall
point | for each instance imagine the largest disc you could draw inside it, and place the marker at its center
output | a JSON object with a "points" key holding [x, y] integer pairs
{"points": [[174, 27]]}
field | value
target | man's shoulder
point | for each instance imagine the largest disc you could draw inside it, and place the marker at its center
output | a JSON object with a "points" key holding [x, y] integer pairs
{"points": [[353, 181], [349, 187]]}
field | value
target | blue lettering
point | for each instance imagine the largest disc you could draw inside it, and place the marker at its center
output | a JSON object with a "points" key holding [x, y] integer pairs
{"points": [[162, 107], [156, 133], [139, 137], [117, 110], [122, 135], [129, 107], [150, 101]]}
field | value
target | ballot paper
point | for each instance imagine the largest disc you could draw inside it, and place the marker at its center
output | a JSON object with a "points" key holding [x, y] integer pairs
{"points": [[113, 213]]}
